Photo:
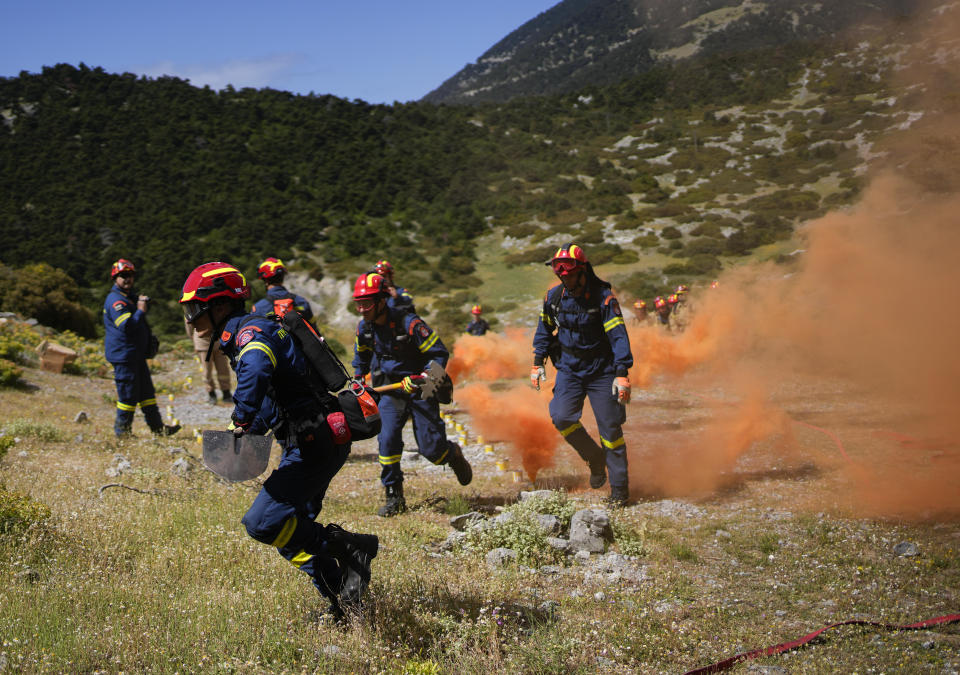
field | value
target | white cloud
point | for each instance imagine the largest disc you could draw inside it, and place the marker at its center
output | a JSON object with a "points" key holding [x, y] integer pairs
{"points": [[238, 72]]}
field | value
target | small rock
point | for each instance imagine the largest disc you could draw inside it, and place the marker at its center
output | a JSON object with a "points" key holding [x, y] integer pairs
{"points": [[722, 534], [549, 523], [536, 494], [604, 662], [581, 557], [78, 438], [599, 596], [906, 549], [503, 518], [23, 453], [499, 557], [576, 594], [81, 418], [331, 650], [550, 569], [181, 467], [462, 522], [767, 670], [558, 544], [112, 472], [452, 541], [929, 644]]}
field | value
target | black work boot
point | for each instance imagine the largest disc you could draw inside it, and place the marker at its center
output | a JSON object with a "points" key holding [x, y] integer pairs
{"points": [[619, 496], [355, 553], [395, 502], [460, 465], [227, 396], [167, 430], [598, 473], [211, 397]]}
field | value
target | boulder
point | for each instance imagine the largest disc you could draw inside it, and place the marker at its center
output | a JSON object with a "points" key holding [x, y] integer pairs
{"points": [[590, 530], [464, 521], [549, 523]]}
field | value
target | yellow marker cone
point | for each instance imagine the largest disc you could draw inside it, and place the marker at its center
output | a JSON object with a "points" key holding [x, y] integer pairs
{"points": [[502, 464], [488, 449], [479, 440], [170, 396]]}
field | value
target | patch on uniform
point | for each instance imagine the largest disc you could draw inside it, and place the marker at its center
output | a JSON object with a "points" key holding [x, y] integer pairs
{"points": [[225, 336], [423, 330], [615, 307], [244, 336], [119, 304]]}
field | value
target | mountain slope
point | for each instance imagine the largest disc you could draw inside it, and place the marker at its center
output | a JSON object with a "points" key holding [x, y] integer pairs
{"points": [[579, 43]]}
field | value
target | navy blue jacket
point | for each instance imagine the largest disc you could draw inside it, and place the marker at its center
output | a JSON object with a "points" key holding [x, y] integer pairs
{"points": [[403, 346], [265, 305], [593, 337], [478, 326], [272, 374], [127, 333], [403, 301]]}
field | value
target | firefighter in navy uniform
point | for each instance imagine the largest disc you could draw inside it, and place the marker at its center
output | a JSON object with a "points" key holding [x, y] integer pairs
{"points": [[479, 325], [274, 392], [404, 345], [399, 297], [279, 300], [127, 346], [592, 356]]}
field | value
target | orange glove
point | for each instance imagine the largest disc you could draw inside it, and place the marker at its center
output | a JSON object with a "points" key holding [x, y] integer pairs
{"points": [[537, 373], [621, 390]]}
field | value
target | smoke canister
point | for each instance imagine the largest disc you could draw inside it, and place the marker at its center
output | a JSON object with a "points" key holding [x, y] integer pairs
{"points": [[479, 440], [503, 464]]}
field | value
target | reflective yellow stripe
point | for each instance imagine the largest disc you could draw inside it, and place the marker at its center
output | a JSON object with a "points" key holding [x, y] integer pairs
{"points": [[443, 456], [613, 323], [126, 406], [300, 558], [569, 430], [390, 459], [285, 533], [263, 348], [360, 347], [218, 270], [612, 444], [429, 342], [546, 318], [120, 319], [149, 401]]}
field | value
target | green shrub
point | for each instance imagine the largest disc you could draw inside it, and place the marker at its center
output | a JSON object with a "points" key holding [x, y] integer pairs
{"points": [[47, 294], [6, 442], [629, 540], [42, 431], [670, 232], [19, 511], [10, 372], [648, 240]]}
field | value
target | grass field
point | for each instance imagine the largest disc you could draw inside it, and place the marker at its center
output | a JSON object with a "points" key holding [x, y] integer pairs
{"points": [[166, 580]]}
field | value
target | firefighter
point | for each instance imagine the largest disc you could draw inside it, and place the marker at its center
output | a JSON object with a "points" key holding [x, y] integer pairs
{"points": [[680, 310], [581, 327], [273, 392], [479, 325], [399, 297], [128, 343], [663, 309], [279, 300], [640, 311], [404, 345]]}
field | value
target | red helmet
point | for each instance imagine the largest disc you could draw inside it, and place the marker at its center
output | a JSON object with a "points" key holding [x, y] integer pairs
{"points": [[659, 302], [270, 268], [383, 268], [476, 309], [714, 284], [672, 298], [122, 265], [682, 288], [211, 280], [567, 258], [369, 286], [640, 304]]}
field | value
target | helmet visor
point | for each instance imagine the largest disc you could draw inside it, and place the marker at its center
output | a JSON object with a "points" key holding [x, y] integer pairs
{"points": [[564, 266], [193, 309], [365, 304]]}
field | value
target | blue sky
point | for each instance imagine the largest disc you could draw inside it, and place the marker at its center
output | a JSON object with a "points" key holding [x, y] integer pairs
{"points": [[377, 50]]}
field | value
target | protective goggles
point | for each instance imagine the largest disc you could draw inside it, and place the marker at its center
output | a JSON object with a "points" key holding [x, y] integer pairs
{"points": [[365, 304], [193, 310], [564, 266], [126, 274]]}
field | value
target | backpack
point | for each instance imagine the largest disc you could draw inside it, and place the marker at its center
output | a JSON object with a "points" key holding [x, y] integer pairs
{"points": [[283, 305], [357, 403]]}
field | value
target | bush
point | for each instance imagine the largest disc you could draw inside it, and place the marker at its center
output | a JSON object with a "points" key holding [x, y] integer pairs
{"points": [[42, 431], [670, 232], [18, 511], [46, 294], [10, 373]]}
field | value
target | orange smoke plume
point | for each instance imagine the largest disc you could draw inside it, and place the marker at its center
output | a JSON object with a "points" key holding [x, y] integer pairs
{"points": [[492, 356], [519, 417]]}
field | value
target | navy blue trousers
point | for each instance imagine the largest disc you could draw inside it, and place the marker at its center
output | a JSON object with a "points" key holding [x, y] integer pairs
{"points": [[135, 387], [428, 429], [284, 511], [566, 408]]}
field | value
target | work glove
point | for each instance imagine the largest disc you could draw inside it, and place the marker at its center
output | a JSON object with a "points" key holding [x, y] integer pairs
{"points": [[238, 428], [408, 385], [621, 390], [537, 373]]}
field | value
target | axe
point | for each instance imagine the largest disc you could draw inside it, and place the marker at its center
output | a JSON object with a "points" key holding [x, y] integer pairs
{"points": [[236, 458], [429, 382]]}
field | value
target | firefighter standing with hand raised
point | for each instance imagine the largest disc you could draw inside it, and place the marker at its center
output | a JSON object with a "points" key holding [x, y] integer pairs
{"points": [[128, 343], [274, 392], [398, 298], [403, 345], [279, 300], [582, 317]]}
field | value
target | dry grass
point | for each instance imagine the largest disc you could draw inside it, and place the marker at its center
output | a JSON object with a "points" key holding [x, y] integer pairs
{"points": [[169, 581]]}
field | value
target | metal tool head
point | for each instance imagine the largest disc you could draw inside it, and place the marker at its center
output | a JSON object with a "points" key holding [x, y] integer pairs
{"points": [[434, 378], [233, 458]]}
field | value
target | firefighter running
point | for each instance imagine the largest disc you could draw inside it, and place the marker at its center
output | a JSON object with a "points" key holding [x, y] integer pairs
{"points": [[581, 327], [403, 345], [273, 392]]}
